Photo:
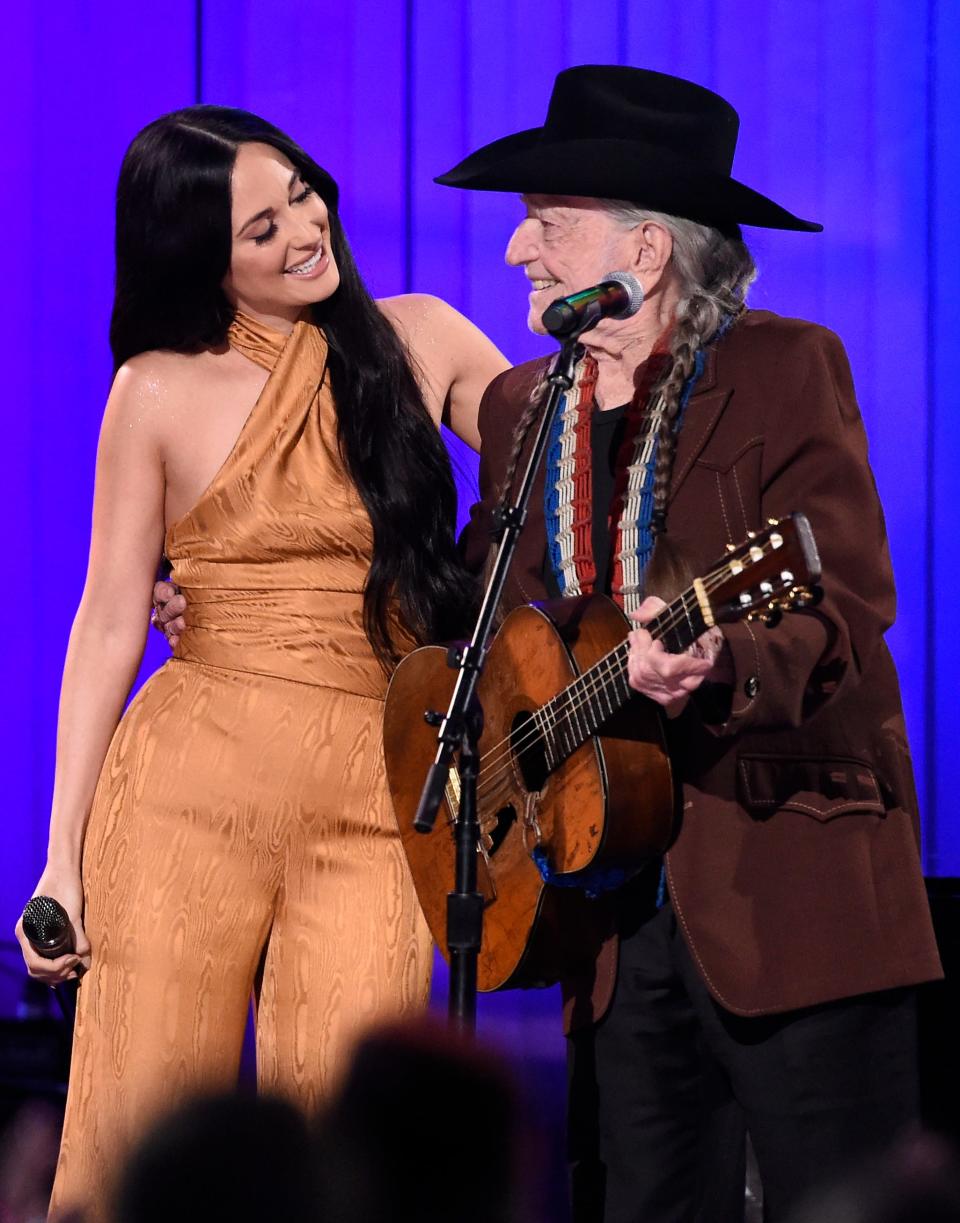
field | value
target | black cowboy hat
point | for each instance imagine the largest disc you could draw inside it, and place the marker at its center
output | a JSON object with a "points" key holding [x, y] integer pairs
{"points": [[630, 134]]}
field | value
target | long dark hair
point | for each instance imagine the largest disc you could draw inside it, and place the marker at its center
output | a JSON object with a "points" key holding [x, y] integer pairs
{"points": [[173, 244]]}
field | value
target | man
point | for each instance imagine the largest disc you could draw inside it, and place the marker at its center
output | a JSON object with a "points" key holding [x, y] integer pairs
{"points": [[771, 986]]}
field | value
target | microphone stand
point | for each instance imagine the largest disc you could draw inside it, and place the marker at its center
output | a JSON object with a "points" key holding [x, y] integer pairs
{"points": [[462, 725]]}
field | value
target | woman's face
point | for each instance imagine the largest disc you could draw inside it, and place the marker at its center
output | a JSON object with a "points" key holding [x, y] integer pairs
{"points": [[281, 259]]}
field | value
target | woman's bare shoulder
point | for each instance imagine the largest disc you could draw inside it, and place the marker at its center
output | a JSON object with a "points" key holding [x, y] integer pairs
{"points": [[161, 383], [161, 371]]}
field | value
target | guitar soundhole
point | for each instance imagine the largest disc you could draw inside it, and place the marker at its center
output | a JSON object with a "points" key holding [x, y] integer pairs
{"points": [[529, 751]]}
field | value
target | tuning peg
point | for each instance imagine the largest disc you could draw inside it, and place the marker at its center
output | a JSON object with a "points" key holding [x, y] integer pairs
{"points": [[773, 522], [772, 618], [731, 547], [805, 596]]}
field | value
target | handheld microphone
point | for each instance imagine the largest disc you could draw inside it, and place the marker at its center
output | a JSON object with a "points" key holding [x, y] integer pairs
{"points": [[47, 927], [619, 295], [49, 932]]}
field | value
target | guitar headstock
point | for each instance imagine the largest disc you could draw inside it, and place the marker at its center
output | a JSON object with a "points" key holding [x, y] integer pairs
{"points": [[774, 570]]}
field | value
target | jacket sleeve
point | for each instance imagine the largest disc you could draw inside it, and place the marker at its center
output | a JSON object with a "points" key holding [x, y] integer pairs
{"points": [[815, 461]]}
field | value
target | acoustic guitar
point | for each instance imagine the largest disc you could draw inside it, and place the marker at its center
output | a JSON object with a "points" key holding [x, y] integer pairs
{"points": [[575, 783]]}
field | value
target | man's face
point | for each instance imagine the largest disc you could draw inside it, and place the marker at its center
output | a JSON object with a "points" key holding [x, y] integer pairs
{"points": [[566, 244]]}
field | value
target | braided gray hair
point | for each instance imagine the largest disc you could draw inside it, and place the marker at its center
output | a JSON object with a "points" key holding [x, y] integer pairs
{"points": [[714, 273]]}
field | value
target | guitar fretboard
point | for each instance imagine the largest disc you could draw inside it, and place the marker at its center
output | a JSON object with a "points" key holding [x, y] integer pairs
{"points": [[576, 713]]}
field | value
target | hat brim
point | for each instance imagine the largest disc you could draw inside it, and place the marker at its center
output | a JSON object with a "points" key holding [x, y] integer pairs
{"points": [[533, 163]]}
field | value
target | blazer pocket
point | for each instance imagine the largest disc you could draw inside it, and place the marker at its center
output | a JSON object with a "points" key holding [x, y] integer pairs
{"points": [[734, 480], [822, 787], [719, 458]]}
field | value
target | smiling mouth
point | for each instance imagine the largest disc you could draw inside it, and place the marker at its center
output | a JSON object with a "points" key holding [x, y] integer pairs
{"points": [[540, 285], [305, 268]]}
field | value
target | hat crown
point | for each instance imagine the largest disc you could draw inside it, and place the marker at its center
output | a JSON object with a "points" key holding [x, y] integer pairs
{"points": [[615, 102], [619, 133]]}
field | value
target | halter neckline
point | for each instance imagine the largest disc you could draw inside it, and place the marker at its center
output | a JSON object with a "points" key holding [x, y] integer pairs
{"points": [[257, 341]]}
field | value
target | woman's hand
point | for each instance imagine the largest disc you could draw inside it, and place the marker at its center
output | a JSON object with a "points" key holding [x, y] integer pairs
{"points": [[669, 679], [168, 608], [63, 885]]}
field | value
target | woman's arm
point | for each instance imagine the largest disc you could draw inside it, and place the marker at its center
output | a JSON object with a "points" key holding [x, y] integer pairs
{"points": [[455, 360], [108, 635]]}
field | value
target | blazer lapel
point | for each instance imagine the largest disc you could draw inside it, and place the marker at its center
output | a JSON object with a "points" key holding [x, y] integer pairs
{"points": [[699, 421]]}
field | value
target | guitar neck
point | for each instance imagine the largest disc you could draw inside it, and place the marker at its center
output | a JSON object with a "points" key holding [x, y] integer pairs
{"points": [[771, 571], [576, 713]]}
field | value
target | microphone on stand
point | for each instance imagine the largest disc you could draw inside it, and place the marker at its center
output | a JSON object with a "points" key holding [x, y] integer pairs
{"points": [[619, 295], [48, 930]]}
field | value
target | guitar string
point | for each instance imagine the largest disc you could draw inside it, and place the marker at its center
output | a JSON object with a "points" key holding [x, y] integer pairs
{"points": [[716, 578], [600, 675], [579, 693], [550, 736], [592, 684], [593, 681]]}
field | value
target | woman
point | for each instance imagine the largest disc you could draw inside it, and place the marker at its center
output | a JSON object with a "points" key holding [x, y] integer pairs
{"points": [[275, 432]]}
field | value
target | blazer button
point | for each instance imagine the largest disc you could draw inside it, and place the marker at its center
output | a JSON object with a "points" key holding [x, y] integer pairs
{"points": [[751, 687]]}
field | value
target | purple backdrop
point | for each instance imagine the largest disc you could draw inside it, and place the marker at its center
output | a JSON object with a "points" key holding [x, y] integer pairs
{"points": [[849, 115]]}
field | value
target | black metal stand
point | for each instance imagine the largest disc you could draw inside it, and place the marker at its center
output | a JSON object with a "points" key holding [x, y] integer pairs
{"points": [[463, 724]]}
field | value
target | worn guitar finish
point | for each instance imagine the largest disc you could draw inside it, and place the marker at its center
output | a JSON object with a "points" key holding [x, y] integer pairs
{"points": [[573, 763]]}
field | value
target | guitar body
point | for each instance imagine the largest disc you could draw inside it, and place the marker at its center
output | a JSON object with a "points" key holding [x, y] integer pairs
{"points": [[573, 766], [607, 806]]}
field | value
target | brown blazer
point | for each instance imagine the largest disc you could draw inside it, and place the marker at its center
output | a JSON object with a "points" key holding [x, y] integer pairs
{"points": [[795, 870]]}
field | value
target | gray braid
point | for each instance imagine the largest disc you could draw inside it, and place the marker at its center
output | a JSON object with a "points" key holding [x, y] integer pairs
{"points": [[714, 274], [520, 431]]}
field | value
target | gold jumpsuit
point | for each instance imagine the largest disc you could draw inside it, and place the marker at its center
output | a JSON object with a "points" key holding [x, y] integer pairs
{"points": [[241, 835]]}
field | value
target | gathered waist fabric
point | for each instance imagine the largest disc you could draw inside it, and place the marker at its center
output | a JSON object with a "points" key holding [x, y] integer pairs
{"points": [[309, 636]]}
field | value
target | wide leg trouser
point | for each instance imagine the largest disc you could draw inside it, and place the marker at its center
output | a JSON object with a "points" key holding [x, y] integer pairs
{"points": [[241, 834]]}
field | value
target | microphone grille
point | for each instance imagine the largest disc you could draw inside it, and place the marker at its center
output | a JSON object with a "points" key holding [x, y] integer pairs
{"points": [[634, 293], [44, 920]]}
